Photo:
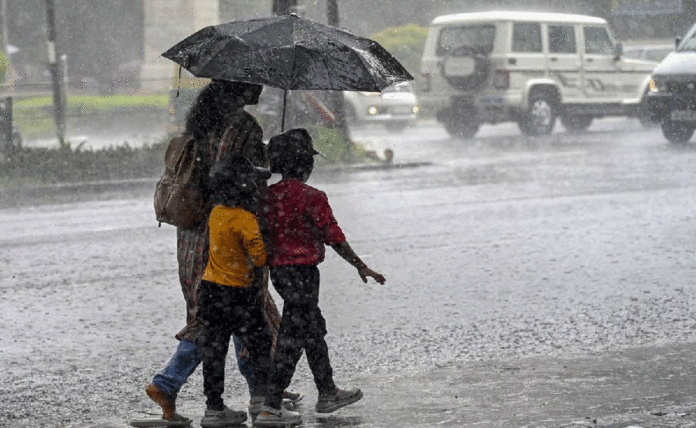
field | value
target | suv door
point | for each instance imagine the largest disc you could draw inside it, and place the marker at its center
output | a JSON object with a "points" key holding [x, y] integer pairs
{"points": [[563, 59], [526, 55], [599, 68]]}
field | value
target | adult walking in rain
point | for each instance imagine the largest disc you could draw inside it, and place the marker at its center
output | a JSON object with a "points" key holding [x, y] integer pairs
{"points": [[218, 123]]}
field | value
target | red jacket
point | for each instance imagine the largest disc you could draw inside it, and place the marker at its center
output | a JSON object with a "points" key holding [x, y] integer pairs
{"points": [[300, 223]]}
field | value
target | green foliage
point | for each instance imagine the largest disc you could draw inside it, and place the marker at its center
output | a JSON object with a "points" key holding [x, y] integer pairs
{"points": [[82, 104], [405, 43], [34, 116], [332, 143], [40, 166], [338, 148], [4, 67]]}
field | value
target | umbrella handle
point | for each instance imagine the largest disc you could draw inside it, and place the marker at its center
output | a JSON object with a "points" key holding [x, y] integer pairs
{"points": [[285, 101]]}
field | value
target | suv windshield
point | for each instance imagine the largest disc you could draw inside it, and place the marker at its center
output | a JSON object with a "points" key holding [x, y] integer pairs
{"points": [[479, 37]]}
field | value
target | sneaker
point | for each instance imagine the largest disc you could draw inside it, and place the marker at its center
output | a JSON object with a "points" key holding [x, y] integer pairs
{"points": [[222, 418], [165, 401], [255, 405], [328, 403], [270, 417]]}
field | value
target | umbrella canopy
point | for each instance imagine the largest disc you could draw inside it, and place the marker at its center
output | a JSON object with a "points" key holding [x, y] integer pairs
{"points": [[288, 52]]}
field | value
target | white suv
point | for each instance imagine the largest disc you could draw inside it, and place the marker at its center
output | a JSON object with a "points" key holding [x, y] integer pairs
{"points": [[531, 68]]}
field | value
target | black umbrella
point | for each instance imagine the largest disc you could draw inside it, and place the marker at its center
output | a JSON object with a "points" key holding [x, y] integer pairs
{"points": [[290, 53]]}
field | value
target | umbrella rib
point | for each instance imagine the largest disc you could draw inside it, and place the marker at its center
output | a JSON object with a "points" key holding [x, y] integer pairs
{"points": [[217, 51], [325, 62], [368, 66]]}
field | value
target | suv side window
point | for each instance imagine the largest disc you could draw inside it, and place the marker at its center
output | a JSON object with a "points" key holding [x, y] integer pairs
{"points": [[526, 37], [597, 41], [562, 39]]}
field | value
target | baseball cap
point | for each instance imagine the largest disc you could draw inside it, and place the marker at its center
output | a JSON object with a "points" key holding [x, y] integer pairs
{"points": [[289, 144]]}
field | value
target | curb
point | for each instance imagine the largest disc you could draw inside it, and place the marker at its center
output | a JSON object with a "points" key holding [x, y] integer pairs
{"points": [[70, 192], [86, 191]]}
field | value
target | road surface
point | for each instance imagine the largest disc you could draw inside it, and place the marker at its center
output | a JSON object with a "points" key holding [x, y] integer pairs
{"points": [[542, 282]]}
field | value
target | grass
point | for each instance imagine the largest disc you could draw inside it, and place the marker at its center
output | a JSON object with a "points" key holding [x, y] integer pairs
{"points": [[33, 167], [30, 167], [35, 116]]}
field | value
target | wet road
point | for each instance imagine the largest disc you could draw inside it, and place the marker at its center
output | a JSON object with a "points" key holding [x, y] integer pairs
{"points": [[498, 250]]}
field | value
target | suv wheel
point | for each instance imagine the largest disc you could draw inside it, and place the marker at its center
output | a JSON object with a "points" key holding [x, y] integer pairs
{"points": [[541, 116], [576, 122], [677, 132]]}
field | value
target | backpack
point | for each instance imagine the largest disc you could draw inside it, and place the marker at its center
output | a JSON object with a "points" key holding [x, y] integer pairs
{"points": [[179, 196]]}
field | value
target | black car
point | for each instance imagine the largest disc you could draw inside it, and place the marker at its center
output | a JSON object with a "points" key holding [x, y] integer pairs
{"points": [[672, 93]]}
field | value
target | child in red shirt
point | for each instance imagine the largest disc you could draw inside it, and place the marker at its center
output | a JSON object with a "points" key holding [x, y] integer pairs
{"points": [[300, 224]]}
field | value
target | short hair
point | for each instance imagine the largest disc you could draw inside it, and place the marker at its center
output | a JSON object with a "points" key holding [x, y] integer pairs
{"points": [[233, 181]]}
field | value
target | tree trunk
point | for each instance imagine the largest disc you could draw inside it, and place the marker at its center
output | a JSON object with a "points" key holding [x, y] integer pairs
{"points": [[336, 98]]}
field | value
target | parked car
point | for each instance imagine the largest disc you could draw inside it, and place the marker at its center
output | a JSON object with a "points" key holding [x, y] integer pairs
{"points": [[672, 96], [530, 68], [648, 52], [395, 107]]}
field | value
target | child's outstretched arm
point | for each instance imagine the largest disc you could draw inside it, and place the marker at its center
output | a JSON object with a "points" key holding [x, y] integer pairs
{"points": [[344, 250]]}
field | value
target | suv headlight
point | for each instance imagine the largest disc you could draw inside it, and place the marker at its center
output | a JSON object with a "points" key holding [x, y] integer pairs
{"points": [[657, 84]]}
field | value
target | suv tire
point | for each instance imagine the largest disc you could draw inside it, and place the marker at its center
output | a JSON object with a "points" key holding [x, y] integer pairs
{"points": [[540, 118], [677, 132], [462, 128], [576, 122]]}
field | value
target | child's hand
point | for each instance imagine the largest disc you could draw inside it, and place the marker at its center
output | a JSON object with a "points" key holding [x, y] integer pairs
{"points": [[366, 271]]}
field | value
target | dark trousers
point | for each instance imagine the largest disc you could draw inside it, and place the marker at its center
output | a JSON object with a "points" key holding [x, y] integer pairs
{"points": [[302, 328], [226, 311]]}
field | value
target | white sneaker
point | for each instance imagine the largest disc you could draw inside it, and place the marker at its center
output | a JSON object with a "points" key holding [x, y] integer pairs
{"points": [[270, 417]]}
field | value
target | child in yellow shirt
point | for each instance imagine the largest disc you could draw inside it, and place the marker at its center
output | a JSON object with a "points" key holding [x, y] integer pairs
{"points": [[229, 304]]}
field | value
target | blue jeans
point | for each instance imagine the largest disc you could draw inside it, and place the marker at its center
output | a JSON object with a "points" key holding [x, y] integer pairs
{"points": [[184, 361]]}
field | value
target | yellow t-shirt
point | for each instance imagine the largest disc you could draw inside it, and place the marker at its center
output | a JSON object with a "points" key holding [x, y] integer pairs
{"points": [[236, 247]]}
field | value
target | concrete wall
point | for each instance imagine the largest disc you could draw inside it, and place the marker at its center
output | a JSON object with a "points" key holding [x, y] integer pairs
{"points": [[166, 23]]}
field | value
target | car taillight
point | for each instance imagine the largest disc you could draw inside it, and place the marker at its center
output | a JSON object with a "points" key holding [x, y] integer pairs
{"points": [[425, 82], [501, 79]]}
